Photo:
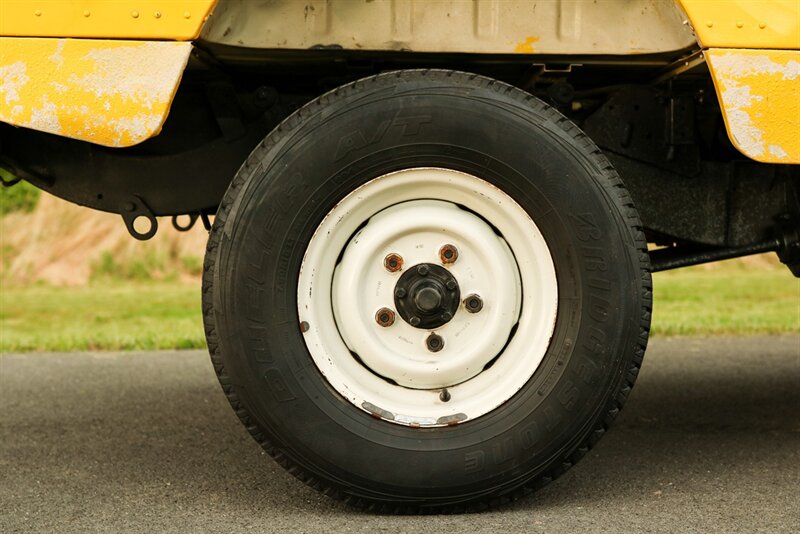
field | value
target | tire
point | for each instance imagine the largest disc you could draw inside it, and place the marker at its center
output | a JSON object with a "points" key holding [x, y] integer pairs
{"points": [[567, 263]]}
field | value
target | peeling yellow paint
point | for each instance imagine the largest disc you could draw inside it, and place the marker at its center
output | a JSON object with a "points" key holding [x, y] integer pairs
{"points": [[113, 93], [526, 46], [759, 93]]}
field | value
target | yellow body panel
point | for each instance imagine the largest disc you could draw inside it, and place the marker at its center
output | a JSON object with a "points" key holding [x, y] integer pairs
{"points": [[753, 53], [117, 19], [113, 93], [118, 93], [759, 93], [745, 23]]}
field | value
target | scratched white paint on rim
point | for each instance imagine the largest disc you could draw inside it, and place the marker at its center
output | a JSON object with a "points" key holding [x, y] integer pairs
{"points": [[487, 356]]}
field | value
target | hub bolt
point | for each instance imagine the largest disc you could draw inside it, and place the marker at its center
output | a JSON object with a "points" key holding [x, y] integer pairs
{"points": [[393, 262], [435, 343], [448, 254], [422, 270], [400, 293], [384, 317], [473, 303], [444, 395]]}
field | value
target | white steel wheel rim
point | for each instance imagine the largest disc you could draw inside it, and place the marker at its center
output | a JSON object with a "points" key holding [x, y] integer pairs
{"points": [[388, 371]]}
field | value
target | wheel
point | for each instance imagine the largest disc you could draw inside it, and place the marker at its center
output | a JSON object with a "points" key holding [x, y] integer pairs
{"points": [[426, 291]]}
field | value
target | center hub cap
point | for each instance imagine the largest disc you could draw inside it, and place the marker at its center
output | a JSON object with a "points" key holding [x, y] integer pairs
{"points": [[427, 296]]}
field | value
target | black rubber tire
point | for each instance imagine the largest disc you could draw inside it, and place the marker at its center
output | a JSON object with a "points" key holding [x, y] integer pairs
{"points": [[435, 119]]}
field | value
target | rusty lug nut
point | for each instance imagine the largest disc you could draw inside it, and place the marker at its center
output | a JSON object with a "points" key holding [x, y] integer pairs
{"points": [[384, 317], [393, 262], [473, 303], [448, 254], [435, 343]]}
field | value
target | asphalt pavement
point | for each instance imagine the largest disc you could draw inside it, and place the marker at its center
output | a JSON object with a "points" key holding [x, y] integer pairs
{"points": [[145, 442]]}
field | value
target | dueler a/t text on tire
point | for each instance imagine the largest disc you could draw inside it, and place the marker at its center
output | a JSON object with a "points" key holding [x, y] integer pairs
{"points": [[426, 291]]}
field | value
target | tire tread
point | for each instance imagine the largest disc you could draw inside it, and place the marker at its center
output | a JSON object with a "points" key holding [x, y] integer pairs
{"points": [[608, 179]]}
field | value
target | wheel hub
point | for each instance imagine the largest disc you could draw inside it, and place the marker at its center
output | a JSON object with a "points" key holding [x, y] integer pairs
{"points": [[427, 296]]}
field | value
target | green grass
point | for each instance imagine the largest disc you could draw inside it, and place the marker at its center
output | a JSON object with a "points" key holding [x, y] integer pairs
{"points": [[148, 315], [104, 316], [728, 299], [109, 270]]}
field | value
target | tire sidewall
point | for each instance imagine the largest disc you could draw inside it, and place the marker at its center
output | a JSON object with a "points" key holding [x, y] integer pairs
{"points": [[328, 150]]}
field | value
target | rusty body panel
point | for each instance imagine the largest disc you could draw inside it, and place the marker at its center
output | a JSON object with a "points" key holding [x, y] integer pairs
{"points": [[617, 27]]}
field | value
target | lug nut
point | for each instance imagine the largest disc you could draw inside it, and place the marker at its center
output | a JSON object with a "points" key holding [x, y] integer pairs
{"points": [[451, 285], [384, 317], [448, 254], [393, 262], [422, 270], [473, 303], [400, 293], [446, 316], [435, 343], [413, 321]]}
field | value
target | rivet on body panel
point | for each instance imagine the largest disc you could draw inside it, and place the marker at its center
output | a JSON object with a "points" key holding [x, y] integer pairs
{"points": [[762, 25], [740, 24], [157, 14], [710, 24], [87, 13], [187, 15], [37, 13], [135, 14]]}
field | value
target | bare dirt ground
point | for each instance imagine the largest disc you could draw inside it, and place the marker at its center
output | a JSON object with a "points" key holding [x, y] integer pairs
{"points": [[60, 243]]}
